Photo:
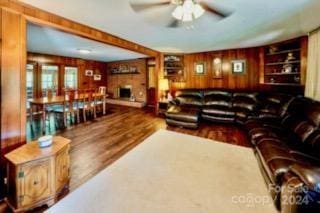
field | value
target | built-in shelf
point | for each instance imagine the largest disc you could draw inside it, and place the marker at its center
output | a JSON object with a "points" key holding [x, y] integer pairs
{"points": [[124, 73], [282, 63], [174, 67], [284, 51], [283, 73]]}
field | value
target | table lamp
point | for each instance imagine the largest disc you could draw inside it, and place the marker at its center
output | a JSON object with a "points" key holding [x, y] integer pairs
{"points": [[163, 87]]}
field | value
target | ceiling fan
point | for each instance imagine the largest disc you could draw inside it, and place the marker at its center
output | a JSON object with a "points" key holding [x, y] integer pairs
{"points": [[185, 10]]}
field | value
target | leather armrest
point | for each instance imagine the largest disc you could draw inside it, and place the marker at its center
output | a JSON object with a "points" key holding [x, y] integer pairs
{"points": [[309, 175], [174, 102]]}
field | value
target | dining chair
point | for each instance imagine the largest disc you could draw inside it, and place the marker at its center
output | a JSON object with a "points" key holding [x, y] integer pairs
{"points": [[101, 94], [69, 107], [88, 103]]}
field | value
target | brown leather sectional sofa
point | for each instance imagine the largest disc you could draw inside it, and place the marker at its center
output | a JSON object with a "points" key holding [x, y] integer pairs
{"points": [[284, 131]]}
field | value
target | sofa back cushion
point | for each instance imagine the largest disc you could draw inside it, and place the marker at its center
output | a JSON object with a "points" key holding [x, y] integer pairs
{"points": [[189, 98], [245, 101], [273, 103], [217, 98]]}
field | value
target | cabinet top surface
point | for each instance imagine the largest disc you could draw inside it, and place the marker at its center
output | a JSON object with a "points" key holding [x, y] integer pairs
{"points": [[31, 151]]}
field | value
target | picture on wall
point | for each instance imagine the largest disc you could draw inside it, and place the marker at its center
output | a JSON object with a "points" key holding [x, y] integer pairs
{"points": [[97, 77], [217, 68], [199, 68], [89, 72], [238, 66]]}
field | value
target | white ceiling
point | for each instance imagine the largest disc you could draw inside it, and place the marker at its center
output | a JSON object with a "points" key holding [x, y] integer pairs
{"points": [[253, 22], [54, 42]]}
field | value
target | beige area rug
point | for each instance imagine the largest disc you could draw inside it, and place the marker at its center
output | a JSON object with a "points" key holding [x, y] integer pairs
{"points": [[173, 172]]}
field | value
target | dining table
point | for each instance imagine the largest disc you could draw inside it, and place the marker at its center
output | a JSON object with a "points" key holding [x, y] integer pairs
{"points": [[44, 102]]}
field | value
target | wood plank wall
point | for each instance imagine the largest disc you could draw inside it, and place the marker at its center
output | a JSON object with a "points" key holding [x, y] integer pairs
{"points": [[82, 65], [249, 80], [13, 86]]}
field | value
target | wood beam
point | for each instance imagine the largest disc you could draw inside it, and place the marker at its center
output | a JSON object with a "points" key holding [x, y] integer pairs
{"points": [[41, 17]]}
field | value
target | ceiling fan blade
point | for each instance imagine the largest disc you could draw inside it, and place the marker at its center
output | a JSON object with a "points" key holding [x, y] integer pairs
{"points": [[138, 7], [174, 24], [217, 12]]}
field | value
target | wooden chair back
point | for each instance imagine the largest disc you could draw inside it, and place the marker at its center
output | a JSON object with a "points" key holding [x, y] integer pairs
{"points": [[102, 90]]}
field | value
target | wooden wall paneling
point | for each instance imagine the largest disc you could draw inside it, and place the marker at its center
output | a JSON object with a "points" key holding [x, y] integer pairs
{"points": [[261, 65], [44, 18], [13, 65], [303, 58], [249, 80], [13, 87], [61, 61]]}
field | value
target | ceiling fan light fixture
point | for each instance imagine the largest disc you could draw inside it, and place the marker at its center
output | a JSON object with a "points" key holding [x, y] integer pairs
{"points": [[178, 12], [188, 11], [187, 17], [198, 11], [188, 7]]}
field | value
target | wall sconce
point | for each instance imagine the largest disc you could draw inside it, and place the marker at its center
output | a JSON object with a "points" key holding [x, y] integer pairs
{"points": [[217, 68]]}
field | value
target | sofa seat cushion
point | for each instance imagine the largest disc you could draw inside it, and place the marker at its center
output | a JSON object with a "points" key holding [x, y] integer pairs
{"points": [[186, 114], [218, 118], [218, 111]]}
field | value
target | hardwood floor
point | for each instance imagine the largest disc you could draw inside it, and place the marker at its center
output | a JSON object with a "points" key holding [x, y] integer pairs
{"points": [[97, 144]]}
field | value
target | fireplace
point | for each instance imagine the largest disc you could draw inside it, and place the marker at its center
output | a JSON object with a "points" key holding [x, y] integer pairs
{"points": [[124, 91]]}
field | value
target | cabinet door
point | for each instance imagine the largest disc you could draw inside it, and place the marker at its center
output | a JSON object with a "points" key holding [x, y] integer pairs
{"points": [[62, 169], [34, 182]]}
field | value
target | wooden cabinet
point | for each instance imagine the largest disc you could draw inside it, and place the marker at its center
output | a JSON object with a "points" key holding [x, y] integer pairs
{"points": [[37, 176]]}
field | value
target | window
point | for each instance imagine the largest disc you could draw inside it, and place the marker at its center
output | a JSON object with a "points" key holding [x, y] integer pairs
{"points": [[71, 77], [49, 78], [30, 83]]}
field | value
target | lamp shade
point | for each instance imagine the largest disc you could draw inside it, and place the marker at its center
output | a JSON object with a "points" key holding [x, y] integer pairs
{"points": [[163, 84]]}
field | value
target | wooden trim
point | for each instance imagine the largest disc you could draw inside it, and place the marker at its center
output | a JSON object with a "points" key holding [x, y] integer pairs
{"points": [[41, 17]]}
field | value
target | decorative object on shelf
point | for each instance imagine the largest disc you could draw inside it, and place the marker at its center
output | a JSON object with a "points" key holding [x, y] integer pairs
{"points": [[290, 57], [217, 68], [89, 72], [238, 66], [45, 141], [272, 80], [133, 69], [97, 77], [171, 58], [273, 49], [123, 68], [199, 68], [163, 87], [296, 79]]}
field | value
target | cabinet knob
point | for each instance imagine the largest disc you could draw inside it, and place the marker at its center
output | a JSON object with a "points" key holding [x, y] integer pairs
{"points": [[35, 182]]}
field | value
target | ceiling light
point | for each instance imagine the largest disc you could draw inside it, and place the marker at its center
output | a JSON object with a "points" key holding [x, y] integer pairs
{"points": [[187, 11], [178, 12], [198, 11], [84, 51]]}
